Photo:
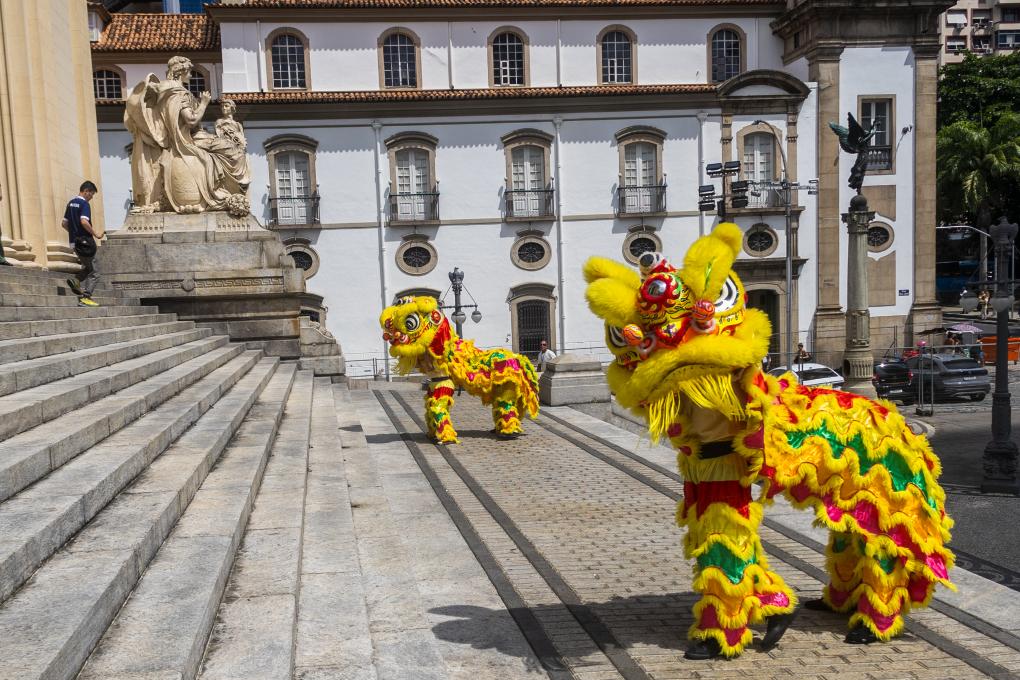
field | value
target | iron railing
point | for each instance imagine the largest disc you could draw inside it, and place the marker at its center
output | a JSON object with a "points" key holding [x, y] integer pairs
{"points": [[293, 210], [417, 207], [880, 158], [762, 195], [641, 200], [534, 203]]}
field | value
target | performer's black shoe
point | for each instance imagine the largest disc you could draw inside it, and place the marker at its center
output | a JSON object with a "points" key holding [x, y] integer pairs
{"points": [[818, 605], [777, 625], [507, 436], [703, 650], [861, 635]]}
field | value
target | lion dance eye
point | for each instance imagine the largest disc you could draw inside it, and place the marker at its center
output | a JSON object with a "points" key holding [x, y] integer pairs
{"points": [[616, 337], [411, 323], [729, 296]]}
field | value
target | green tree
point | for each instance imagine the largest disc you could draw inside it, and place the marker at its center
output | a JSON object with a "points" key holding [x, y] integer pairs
{"points": [[978, 169], [979, 89]]}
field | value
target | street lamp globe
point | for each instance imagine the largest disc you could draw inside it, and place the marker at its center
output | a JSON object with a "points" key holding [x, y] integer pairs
{"points": [[459, 317], [476, 316]]}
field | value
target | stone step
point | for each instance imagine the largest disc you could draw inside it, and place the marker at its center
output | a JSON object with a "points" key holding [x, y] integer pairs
{"points": [[253, 635], [20, 300], [162, 629], [52, 624], [35, 329], [39, 519], [23, 349], [24, 410], [65, 313], [23, 375], [26, 286]]}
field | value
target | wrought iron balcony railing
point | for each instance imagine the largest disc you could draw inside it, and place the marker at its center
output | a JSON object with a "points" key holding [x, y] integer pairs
{"points": [[293, 210], [529, 203], [418, 207], [641, 200], [880, 158]]}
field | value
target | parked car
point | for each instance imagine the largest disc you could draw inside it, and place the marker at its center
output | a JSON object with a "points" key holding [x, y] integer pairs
{"points": [[891, 378], [950, 376], [812, 375]]}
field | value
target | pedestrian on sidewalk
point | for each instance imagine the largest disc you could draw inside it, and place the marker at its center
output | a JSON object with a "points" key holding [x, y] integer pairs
{"points": [[545, 355], [82, 236]]}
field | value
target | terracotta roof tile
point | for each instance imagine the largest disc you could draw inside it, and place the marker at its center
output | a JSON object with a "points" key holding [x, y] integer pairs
{"points": [[411, 4], [376, 96], [158, 33]]}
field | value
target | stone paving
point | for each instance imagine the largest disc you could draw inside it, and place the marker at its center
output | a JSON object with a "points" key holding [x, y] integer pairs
{"points": [[562, 559]]}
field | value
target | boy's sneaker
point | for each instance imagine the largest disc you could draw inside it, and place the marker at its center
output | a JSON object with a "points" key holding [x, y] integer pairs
{"points": [[75, 288], [86, 301]]}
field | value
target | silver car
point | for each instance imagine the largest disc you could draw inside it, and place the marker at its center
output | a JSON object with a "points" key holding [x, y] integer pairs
{"points": [[812, 375]]}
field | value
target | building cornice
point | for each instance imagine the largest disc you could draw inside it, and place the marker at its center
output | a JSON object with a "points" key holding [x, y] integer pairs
{"points": [[491, 10]]}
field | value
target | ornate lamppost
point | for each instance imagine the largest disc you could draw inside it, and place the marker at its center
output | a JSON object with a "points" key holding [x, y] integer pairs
{"points": [[1000, 457], [458, 316], [857, 360]]}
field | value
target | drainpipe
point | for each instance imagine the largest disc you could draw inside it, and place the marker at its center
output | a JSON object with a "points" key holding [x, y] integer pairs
{"points": [[558, 168], [381, 229], [702, 117], [260, 55], [449, 52], [559, 49]]}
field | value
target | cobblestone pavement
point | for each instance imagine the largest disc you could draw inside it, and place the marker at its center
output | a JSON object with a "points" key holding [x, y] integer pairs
{"points": [[576, 534]]}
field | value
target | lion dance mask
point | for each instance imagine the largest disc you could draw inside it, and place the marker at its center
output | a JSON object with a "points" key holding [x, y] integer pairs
{"points": [[688, 359], [420, 336]]}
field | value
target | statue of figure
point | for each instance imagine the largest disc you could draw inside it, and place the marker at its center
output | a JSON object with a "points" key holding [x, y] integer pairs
{"points": [[854, 139], [177, 165]]}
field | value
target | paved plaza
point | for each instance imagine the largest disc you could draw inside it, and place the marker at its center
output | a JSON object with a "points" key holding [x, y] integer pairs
{"points": [[556, 555]]}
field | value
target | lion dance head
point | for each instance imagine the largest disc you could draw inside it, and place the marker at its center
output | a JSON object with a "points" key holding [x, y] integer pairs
{"points": [[410, 326], [678, 331]]}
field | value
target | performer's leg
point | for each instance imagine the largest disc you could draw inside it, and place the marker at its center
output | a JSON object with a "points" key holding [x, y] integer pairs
{"points": [[880, 607], [731, 573], [843, 562], [505, 414], [438, 402]]}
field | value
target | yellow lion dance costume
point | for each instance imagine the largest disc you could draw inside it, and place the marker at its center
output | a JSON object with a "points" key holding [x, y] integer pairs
{"points": [[420, 336], [688, 359]]}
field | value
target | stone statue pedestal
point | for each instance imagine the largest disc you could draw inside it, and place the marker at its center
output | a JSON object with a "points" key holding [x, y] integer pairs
{"points": [[573, 379], [222, 272]]}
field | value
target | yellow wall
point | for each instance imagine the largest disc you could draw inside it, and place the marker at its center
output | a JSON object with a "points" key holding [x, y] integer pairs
{"points": [[49, 142]]}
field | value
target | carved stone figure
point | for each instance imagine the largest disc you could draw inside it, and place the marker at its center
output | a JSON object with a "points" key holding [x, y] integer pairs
{"points": [[176, 164]]}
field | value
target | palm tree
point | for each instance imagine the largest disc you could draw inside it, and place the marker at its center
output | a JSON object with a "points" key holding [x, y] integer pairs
{"points": [[978, 168]]}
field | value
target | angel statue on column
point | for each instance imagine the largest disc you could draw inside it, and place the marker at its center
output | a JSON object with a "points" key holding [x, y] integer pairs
{"points": [[176, 164], [856, 140]]}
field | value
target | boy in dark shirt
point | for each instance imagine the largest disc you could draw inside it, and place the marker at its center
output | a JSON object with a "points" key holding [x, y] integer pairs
{"points": [[78, 223]]}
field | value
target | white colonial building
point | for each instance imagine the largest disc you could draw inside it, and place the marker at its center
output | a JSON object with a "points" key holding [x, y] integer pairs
{"points": [[391, 142]]}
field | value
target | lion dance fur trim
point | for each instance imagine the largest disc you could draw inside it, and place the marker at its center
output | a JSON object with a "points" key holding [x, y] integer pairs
{"points": [[421, 339], [688, 359]]}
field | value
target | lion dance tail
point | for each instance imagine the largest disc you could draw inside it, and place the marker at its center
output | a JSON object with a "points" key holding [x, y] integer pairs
{"points": [[873, 483]]}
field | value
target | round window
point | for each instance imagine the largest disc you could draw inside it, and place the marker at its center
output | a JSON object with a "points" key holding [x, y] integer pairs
{"points": [[417, 257], [760, 241], [302, 259], [531, 252], [879, 237], [641, 245]]}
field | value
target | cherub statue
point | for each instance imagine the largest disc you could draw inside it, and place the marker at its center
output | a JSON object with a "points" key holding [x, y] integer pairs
{"points": [[854, 139]]}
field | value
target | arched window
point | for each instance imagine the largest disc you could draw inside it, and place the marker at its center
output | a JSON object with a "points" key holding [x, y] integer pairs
{"points": [[293, 194], [107, 84], [529, 194], [399, 60], [617, 57], [414, 192], [726, 53], [642, 187], [532, 316], [288, 58], [198, 82], [509, 63]]}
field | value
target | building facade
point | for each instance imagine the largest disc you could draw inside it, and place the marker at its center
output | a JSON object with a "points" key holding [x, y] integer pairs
{"points": [[981, 27], [514, 140]]}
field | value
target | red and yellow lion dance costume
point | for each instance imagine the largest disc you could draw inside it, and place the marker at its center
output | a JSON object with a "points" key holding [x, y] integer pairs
{"points": [[688, 359], [420, 336]]}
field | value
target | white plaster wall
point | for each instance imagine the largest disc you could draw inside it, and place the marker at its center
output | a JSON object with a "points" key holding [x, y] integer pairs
{"points": [[115, 174], [136, 73], [889, 71]]}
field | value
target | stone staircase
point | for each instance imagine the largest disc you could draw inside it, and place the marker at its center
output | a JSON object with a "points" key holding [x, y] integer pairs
{"points": [[135, 452]]}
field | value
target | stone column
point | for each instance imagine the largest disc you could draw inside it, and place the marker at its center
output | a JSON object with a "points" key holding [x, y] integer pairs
{"points": [[823, 68], [857, 361], [925, 312]]}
